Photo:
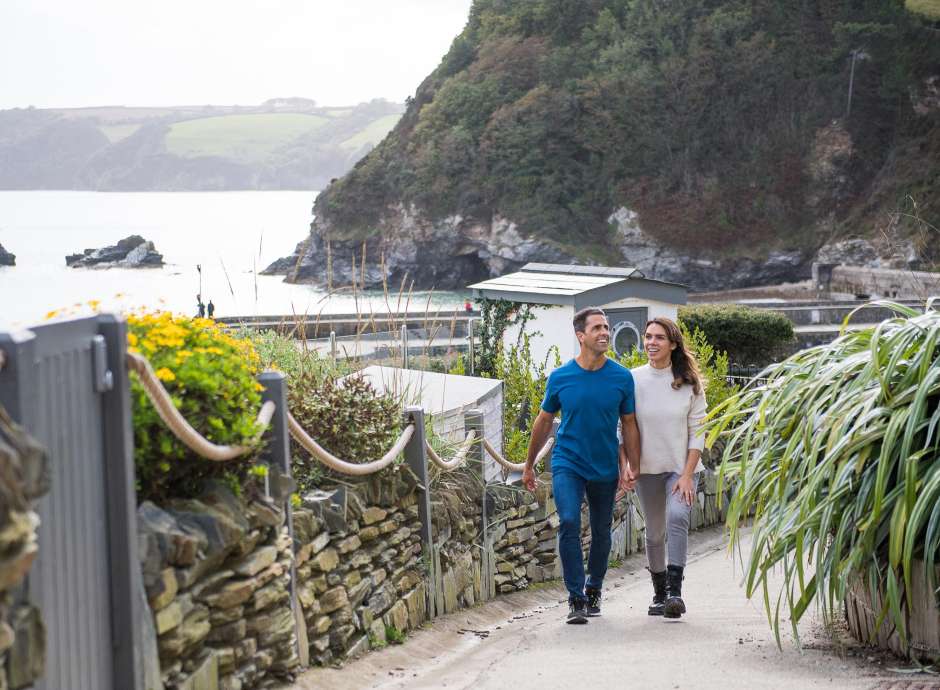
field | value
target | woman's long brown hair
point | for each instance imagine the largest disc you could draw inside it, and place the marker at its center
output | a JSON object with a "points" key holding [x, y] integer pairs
{"points": [[684, 365]]}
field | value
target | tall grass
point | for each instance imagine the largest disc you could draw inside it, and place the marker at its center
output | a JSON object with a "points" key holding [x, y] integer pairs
{"points": [[837, 459]]}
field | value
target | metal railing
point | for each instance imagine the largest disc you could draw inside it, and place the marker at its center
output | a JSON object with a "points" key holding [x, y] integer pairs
{"points": [[401, 347]]}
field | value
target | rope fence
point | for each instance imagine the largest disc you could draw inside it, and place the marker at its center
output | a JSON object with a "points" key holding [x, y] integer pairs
{"points": [[459, 457], [182, 429], [517, 466], [335, 463], [200, 445]]}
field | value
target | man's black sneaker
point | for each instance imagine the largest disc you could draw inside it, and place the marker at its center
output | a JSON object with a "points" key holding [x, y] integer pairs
{"points": [[593, 606], [577, 614]]}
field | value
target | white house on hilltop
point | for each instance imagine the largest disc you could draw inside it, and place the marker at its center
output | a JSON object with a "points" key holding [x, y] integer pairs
{"points": [[625, 294]]}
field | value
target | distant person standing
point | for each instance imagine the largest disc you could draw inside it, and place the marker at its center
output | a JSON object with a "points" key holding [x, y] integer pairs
{"points": [[200, 307], [210, 310], [468, 307], [594, 394]]}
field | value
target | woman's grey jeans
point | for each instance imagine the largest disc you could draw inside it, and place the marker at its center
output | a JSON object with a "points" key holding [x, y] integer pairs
{"points": [[667, 519]]}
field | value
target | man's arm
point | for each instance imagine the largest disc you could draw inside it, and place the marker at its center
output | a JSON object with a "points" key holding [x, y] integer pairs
{"points": [[541, 430], [631, 443]]}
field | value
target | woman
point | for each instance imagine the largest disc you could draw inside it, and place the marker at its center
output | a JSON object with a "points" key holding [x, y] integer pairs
{"points": [[670, 407]]}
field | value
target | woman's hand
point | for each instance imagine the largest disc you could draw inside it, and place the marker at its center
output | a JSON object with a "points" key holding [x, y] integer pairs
{"points": [[685, 487], [626, 482]]}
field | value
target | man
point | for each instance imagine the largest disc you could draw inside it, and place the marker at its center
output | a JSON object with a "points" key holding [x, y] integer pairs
{"points": [[593, 393]]}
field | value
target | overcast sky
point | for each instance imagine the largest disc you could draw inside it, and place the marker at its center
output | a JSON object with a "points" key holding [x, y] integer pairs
{"points": [[67, 53]]}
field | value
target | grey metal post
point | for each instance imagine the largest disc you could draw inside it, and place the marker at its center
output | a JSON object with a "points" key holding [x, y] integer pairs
{"points": [[417, 460], [404, 346], [476, 461], [126, 576], [277, 456], [333, 346], [471, 354], [473, 419], [277, 439]]}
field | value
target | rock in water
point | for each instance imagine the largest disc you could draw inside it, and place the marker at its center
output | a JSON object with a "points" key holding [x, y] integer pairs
{"points": [[6, 258], [131, 252]]}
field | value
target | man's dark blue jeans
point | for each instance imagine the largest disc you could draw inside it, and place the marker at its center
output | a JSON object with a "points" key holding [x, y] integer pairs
{"points": [[569, 489]]}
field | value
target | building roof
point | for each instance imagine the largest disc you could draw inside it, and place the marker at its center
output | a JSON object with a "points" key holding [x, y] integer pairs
{"points": [[437, 393], [577, 285]]}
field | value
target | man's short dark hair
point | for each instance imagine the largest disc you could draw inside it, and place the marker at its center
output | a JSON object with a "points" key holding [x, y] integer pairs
{"points": [[580, 319]]}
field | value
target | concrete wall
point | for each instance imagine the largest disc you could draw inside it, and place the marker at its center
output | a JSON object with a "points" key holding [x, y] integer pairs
{"points": [[879, 282]]}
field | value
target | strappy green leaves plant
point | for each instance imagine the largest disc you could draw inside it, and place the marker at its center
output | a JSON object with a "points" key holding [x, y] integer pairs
{"points": [[836, 458]]}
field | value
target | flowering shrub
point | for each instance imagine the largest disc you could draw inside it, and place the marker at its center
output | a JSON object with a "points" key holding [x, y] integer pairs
{"points": [[345, 416], [211, 378]]}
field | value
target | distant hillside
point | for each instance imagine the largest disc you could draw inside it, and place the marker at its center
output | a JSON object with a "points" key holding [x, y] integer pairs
{"points": [[286, 143], [705, 141]]}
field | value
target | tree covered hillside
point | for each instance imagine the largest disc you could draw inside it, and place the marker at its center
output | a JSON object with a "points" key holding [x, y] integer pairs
{"points": [[723, 124]]}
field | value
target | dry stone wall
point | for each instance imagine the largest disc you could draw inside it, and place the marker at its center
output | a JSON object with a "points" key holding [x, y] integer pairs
{"points": [[23, 479], [360, 571], [218, 570], [217, 577]]}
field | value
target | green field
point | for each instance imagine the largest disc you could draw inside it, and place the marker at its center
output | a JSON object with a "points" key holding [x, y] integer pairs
{"points": [[117, 132], [928, 8], [372, 134], [239, 137]]}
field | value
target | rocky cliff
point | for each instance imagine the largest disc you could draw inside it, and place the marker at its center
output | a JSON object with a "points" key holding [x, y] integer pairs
{"points": [[636, 133], [6, 258]]}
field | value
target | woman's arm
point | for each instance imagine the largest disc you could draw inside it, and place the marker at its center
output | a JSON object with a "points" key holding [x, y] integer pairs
{"points": [[685, 486]]}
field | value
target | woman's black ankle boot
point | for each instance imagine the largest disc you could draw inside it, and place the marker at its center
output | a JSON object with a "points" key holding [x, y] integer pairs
{"points": [[659, 593], [674, 606]]}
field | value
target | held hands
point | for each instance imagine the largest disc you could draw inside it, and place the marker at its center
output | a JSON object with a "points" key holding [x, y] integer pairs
{"points": [[627, 482], [685, 487]]}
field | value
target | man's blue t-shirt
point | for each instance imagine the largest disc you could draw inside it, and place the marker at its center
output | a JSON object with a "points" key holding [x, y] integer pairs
{"points": [[591, 403]]}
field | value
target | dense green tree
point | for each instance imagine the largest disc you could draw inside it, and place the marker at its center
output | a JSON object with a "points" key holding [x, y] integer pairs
{"points": [[700, 115]]}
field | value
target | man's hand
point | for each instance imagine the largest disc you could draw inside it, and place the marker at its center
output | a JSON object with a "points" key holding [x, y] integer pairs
{"points": [[627, 482], [528, 479]]}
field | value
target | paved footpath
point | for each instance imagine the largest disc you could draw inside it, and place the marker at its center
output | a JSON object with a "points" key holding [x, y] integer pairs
{"points": [[519, 641]]}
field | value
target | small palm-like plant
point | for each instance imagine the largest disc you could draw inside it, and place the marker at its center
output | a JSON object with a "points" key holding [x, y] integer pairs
{"points": [[836, 458]]}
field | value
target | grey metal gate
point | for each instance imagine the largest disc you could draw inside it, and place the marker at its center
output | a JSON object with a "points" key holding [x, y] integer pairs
{"points": [[66, 383]]}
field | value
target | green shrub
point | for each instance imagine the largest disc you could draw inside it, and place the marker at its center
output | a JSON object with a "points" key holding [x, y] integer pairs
{"points": [[286, 354], [523, 389], [345, 416], [837, 458], [747, 335], [211, 379]]}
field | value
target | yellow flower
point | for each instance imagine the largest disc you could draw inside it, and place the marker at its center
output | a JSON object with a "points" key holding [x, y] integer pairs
{"points": [[93, 303], [132, 340], [52, 314], [165, 374]]}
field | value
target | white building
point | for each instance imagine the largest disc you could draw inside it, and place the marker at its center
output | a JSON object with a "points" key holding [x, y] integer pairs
{"points": [[625, 294]]}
